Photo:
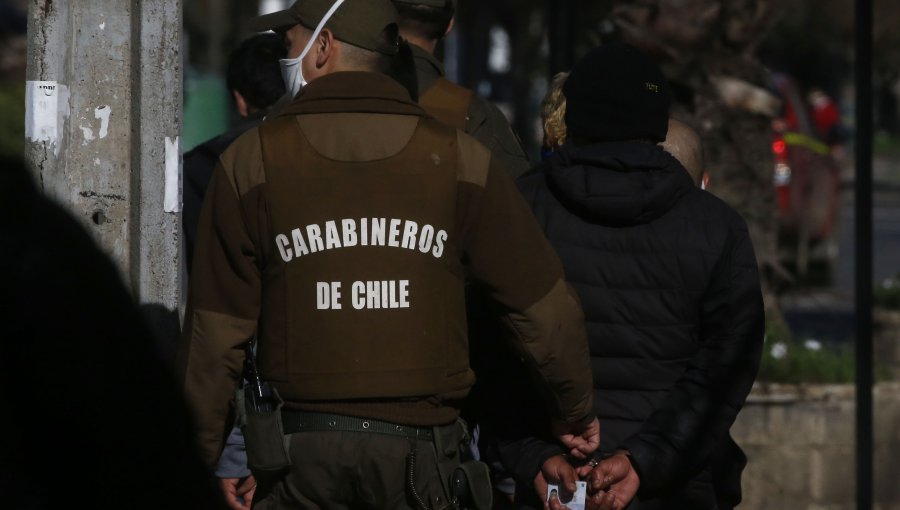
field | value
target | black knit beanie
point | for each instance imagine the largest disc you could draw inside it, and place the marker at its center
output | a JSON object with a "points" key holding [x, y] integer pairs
{"points": [[617, 93]]}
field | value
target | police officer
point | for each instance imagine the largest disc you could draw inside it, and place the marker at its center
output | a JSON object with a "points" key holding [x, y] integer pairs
{"points": [[339, 233], [423, 23]]}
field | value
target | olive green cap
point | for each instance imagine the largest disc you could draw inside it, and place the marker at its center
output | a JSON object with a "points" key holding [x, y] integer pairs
{"points": [[369, 24]]}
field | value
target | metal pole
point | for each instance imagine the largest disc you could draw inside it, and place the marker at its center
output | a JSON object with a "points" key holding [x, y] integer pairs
{"points": [[103, 125], [864, 352]]}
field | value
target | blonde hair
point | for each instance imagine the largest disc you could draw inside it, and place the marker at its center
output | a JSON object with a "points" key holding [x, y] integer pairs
{"points": [[553, 113]]}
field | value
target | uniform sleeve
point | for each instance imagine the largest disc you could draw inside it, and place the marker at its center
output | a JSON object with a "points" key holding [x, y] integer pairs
{"points": [[487, 124], [223, 307], [508, 253], [679, 437]]}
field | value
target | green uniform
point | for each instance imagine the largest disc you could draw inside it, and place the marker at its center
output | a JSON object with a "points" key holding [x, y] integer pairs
{"points": [[482, 119], [341, 233]]}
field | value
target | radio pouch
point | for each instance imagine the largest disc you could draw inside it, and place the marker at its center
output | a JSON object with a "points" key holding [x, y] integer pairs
{"points": [[267, 445], [471, 486]]}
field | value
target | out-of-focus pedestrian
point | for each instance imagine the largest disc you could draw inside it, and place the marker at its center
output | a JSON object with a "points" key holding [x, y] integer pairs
{"points": [[339, 234], [91, 412]]}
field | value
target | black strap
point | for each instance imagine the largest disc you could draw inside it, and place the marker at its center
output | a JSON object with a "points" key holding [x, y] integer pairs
{"points": [[300, 421]]}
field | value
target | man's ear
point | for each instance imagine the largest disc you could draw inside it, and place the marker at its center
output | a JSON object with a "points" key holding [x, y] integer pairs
{"points": [[243, 108], [450, 26], [325, 48]]}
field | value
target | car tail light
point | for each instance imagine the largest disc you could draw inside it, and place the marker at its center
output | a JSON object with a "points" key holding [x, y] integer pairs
{"points": [[782, 176], [779, 148]]}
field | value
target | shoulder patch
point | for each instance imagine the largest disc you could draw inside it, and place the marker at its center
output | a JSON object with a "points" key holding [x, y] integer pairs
{"points": [[242, 162], [474, 160]]}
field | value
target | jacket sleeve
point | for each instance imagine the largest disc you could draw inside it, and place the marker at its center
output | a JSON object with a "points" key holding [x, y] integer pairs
{"points": [[223, 308], [508, 253], [523, 457], [678, 438]]}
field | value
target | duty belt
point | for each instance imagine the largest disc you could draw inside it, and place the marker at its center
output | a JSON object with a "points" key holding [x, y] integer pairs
{"points": [[300, 421]]}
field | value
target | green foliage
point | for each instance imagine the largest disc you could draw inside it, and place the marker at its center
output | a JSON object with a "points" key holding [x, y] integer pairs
{"points": [[789, 360], [886, 145], [12, 120], [806, 362], [887, 294]]}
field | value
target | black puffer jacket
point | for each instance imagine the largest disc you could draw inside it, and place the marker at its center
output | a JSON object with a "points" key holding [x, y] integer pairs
{"points": [[670, 289]]}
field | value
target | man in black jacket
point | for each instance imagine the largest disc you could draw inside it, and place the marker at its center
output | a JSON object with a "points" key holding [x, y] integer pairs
{"points": [[254, 80], [669, 284]]}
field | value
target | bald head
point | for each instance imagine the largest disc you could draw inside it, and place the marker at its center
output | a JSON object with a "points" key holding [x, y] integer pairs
{"points": [[684, 143]]}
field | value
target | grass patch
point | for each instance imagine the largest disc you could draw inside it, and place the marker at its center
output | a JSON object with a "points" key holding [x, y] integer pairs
{"points": [[884, 144], [795, 362], [791, 361], [887, 294]]}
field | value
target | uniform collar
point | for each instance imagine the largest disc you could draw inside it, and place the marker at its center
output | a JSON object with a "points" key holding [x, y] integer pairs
{"points": [[353, 92]]}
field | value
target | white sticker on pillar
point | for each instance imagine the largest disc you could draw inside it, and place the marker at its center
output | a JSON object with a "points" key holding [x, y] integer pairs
{"points": [[102, 113], [172, 202], [41, 111]]}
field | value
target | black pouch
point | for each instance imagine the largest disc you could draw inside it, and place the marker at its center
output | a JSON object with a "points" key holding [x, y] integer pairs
{"points": [[470, 486], [268, 449]]}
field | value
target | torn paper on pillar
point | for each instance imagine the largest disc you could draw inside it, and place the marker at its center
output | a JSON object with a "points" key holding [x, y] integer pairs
{"points": [[41, 111], [172, 200]]}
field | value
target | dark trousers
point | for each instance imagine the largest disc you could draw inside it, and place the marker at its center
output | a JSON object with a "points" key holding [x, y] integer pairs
{"points": [[361, 470]]}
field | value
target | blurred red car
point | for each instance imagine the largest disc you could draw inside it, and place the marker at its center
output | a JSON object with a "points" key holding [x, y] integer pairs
{"points": [[807, 185]]}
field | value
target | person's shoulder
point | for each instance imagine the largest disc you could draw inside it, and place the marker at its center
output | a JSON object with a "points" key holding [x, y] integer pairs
{"points": [[244, 145], [474, 158], [533, 183], [481, 108], [713, 211], [534, 176], [242, 161]]}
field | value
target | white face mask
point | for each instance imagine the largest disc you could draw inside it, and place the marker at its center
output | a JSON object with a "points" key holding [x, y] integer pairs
{"points": [[291, 70]]}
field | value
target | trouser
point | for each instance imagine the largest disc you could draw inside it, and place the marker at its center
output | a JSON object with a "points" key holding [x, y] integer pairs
{"points": [[363, 470]]}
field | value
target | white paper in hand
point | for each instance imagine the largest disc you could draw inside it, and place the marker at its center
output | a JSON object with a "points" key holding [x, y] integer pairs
{"points": [[578, 499]]}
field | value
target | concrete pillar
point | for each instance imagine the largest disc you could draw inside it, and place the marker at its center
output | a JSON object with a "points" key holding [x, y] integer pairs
{"points": [[103, 125]]}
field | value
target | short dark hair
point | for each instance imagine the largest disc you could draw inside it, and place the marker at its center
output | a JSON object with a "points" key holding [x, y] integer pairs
{"points": [[254, 71], [425, 21]]}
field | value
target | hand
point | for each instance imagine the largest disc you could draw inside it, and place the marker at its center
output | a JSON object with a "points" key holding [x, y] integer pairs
{"points": [[555, 470], [613, 476], [238, 492], [581, 439]]}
